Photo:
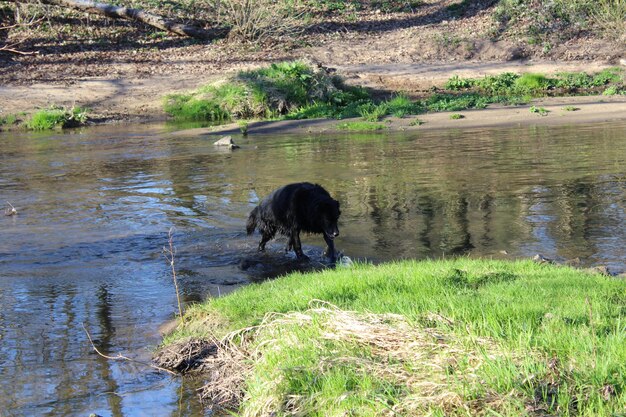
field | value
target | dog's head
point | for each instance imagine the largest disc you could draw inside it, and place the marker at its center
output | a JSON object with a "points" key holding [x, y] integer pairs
{"points": [[330, 215]]}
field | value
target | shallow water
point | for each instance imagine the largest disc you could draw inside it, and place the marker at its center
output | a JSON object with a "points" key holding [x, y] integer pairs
{"points": [[95, 207]]}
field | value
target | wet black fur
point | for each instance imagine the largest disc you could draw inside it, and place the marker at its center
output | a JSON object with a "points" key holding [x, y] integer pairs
{"points": [[295, 208]]}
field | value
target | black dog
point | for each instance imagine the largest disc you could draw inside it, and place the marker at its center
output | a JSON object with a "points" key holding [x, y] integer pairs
{"points": [[294, 208]]}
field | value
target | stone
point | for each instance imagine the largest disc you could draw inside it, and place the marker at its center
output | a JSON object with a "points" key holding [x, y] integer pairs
{"points": [[226, 141], [542, 259]]}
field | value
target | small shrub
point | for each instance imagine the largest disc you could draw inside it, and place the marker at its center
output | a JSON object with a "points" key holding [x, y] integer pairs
{"points": [[57, 117], [456, 116], [610, 16], [571, 108], [416, 122], [401, 106], [243, 127], [456, 83], [609, 75], [611, 91], [261, 20], [573, 80], [531, 82], [539, 110], [372, 112], [494, 84], [186, 107], [9, 119]]}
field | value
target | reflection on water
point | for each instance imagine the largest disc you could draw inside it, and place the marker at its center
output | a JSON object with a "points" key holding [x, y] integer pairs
{"points": [[95, 207]]}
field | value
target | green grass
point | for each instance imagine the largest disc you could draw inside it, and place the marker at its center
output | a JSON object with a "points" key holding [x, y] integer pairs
{"points": [[531, 82], [371, 112], [510, 337], [8, 120], [57, 117], [295, 90], [512, 88], [360, 126], [456, 116], [541, 111]]}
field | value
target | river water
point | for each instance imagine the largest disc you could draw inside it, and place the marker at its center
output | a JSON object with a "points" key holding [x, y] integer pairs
{"points": [[94, 208]]}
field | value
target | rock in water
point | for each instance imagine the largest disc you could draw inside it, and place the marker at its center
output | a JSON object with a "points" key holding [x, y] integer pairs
{"points": [[226, 141]]}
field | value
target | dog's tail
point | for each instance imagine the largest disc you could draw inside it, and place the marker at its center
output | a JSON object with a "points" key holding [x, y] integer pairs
{"points": [[251, 224]]}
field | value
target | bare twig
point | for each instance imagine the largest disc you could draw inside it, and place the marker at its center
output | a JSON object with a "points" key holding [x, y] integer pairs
{"points": [[11, 49], [119, 356], [32, 22], [169, 254]]}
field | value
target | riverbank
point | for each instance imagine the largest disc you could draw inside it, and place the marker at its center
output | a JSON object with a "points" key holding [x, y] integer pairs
{"points": [[559, 111], [140, 100], [441, 337]]}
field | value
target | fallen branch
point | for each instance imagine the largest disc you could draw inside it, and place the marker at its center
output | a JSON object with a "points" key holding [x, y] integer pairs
{"points": [[10, 49], [17, 25], [10, 211], [119, 12], [119, 356]]}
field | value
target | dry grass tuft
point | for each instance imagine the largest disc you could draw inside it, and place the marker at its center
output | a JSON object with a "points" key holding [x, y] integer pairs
{"points": [[434, 368], [185, 356]]}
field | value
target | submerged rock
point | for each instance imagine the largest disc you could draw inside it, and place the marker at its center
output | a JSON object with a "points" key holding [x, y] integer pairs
{"points": [[226, 141]]}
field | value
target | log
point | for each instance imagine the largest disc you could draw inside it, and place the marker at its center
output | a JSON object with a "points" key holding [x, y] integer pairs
{"points": [[120, 12]]}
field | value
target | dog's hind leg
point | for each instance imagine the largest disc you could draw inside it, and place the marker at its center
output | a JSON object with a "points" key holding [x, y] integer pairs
{"points": [[330, 250], [289, 245]]}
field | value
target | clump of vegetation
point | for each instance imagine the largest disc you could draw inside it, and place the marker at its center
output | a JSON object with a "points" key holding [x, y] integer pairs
{"points": [[612, 90], [512, 88], [571, 108], [456, 116], [243, 127], [531, 82], [489, 337], [416, 122], [371, 112], [188, 107], [361, 126], [57, 117], [8, 120], [297, 90], [288, 89], [541, 111]]}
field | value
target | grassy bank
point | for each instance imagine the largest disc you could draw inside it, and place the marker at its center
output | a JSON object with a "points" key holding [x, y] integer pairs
{"points": [[456, 337], [296, 90], [54, 117]]}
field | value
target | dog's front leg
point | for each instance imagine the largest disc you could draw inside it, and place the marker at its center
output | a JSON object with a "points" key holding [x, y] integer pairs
{"points": [[297, 245], [264, 239], [330, 250]]}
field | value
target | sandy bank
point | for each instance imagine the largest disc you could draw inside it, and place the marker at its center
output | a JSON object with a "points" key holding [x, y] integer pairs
{"points": [[140, 99]]}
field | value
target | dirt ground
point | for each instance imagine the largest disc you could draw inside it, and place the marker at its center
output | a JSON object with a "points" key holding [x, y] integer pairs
{"points": [[410, 52]]}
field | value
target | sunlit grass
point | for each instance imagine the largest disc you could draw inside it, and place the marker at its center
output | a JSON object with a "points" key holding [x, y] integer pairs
{"points": [[545, 336]]}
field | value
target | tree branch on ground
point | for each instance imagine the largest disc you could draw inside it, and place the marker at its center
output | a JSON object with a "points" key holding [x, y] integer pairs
{"points": [[120, 12]]}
